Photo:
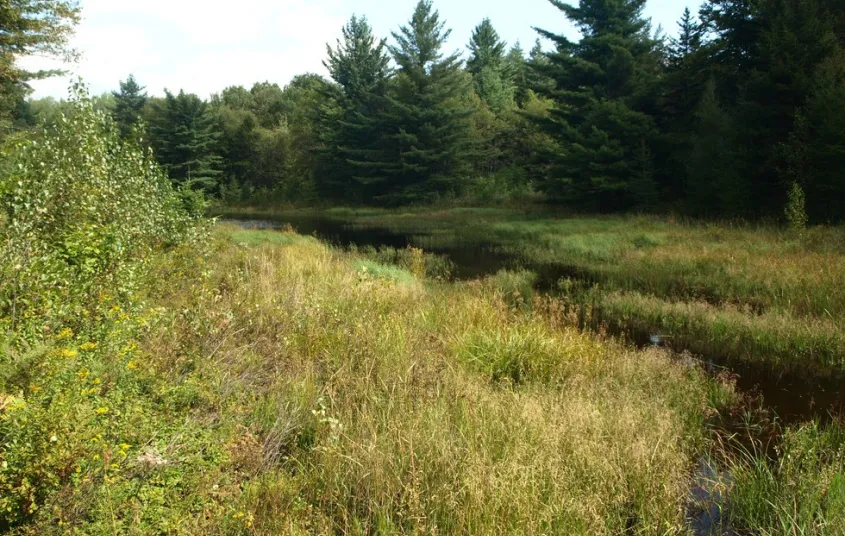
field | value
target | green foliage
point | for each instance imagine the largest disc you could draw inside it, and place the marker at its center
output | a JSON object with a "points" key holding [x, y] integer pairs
{"points": [[717, 184], [269, 140], [426, 125], [129, 105], [82, 209], [490, 68], [602, 99], [185, 138], [795, 210], [31, 27], [85, 214], [352, 128]]}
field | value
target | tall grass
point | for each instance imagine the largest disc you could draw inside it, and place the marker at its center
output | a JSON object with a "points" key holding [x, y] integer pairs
{"points": [[751, 292], [275, 387], [801, 492]]}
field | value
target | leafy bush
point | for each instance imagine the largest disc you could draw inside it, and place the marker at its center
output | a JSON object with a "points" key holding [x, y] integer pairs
{"points": [[796, 213], [84, 215], [82, 210]]}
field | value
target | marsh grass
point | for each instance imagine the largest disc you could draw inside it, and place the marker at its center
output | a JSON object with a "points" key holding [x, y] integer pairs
{"points": [[802, 491], [738, 291], [441, 409], [272, 388]]}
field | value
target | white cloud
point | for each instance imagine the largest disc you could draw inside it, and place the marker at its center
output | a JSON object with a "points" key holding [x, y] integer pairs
{"points": [[200, 46], [203, 46]]}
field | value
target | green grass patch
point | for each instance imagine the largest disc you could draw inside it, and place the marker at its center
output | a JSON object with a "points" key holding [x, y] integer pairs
{"points": [[247, 238]]}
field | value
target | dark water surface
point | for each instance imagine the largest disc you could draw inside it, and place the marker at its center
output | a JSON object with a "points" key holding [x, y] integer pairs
{"points": [[790, 398]]}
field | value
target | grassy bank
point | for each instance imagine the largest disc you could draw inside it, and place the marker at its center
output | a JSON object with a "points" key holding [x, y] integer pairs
{"points": [[279, 387], [756, 293], [275, 385]]}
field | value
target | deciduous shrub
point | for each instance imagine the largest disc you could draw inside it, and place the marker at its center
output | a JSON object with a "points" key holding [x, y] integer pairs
{"points": [[82, 210]]}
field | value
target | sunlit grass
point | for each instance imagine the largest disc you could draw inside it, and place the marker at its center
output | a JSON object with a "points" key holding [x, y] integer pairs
{"points": [[732, 290], [274, 386]]}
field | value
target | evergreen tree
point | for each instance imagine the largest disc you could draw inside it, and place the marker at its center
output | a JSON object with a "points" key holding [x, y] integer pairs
{"points": [[426, 150], [517, 68], [536, 78], [815, 151], [602, 89], [31, 27], [129, 105], [185, 136], [682, 86], [717, 185], [486, 48], [353, 133], [766, 55], [489, 69]]}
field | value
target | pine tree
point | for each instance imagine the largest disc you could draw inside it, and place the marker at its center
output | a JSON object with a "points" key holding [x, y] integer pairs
{"points": [[815, 152], [488, 66], [486, 48], [602, 89], [352, 134], [682, 86], [536, 79], [31, 27], [426, 148], [717, 185], [517, 68], [688, 43], [129, 105], [185, 136]]}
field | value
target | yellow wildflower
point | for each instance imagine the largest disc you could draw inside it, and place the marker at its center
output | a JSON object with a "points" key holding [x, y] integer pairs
{"points": [[132, 365], [102, 411], [68, 353], [64, 334], [88, 346]]}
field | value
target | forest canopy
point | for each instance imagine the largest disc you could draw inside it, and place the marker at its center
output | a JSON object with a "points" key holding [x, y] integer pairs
{"points": [[733, 114]]}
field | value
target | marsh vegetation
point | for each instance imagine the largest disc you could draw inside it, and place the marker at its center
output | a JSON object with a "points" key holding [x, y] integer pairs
{"points": [[424, 363]]}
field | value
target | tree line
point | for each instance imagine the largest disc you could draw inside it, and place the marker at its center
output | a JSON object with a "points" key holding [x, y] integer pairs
{"points": [[739, 114]]}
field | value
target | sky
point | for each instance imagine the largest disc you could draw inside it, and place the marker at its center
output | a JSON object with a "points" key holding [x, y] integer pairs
{"points": [[204, 46]]}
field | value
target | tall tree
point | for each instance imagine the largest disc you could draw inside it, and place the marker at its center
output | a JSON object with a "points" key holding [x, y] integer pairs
{"points": [[489, 69], [603, 86], [185, 135], [30, 27], [129, 105], [806, 53], [360, 66], [717, 186], [681, 88], [426, 148], [486, 48], [517, 67]]}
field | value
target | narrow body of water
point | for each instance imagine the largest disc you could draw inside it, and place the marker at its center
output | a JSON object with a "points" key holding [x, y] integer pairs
{"points": [[792, 399]]}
